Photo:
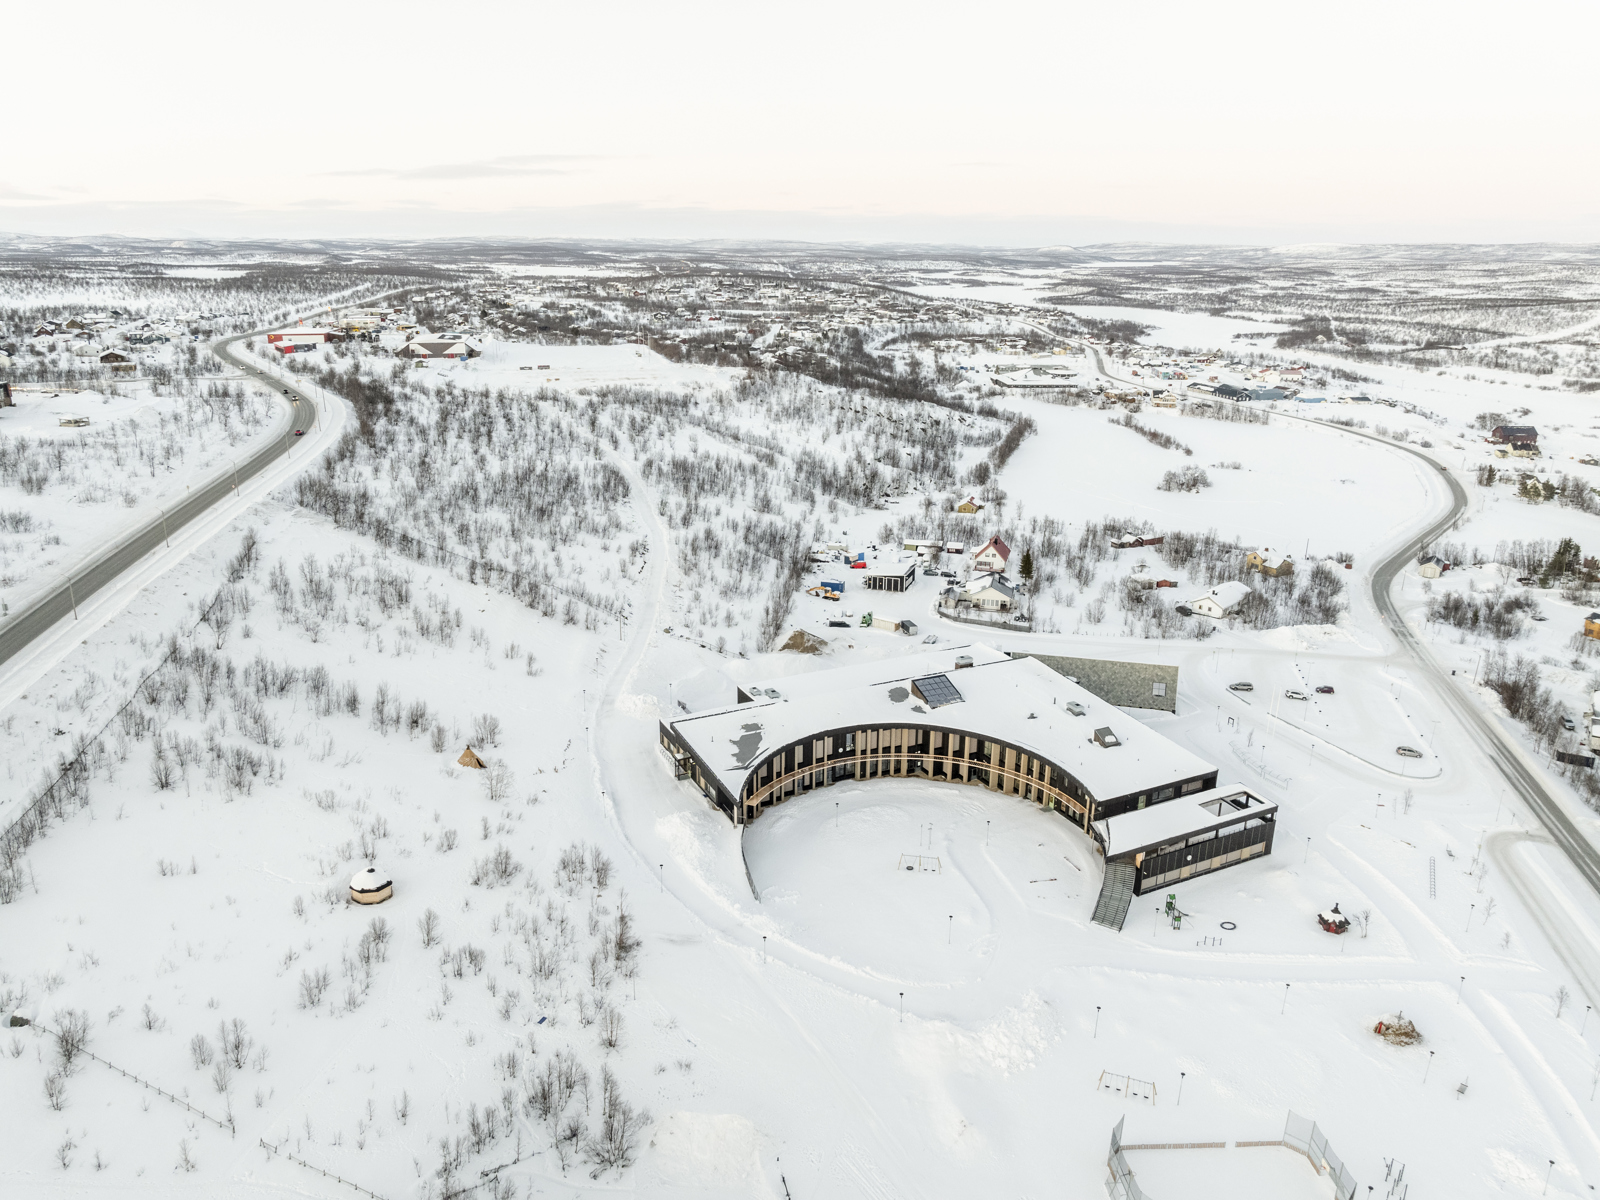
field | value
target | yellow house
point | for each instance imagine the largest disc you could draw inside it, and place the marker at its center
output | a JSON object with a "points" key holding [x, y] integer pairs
{"points": [[969, 505], [1591, 625], [1269, 562]]}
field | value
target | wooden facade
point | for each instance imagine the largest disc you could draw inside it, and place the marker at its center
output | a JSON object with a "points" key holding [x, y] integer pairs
{"points": [[933, 752]]}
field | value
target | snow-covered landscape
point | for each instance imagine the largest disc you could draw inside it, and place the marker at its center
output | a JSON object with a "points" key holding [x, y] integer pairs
{"points": [[555, 510]]}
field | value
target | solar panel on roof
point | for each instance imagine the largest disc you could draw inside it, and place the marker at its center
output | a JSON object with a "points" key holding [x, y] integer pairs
{"points": [[936, 690]]}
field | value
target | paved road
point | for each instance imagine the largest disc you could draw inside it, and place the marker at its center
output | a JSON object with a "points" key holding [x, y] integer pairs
{"points": [[43, 613], [1513, 767]]}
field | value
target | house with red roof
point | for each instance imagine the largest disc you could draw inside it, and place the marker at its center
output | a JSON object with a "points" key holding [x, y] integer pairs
{"points": [[992, 556]]}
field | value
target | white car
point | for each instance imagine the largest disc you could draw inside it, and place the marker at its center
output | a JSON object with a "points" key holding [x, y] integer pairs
{"points": [[1291, 694], [1408, 752]]}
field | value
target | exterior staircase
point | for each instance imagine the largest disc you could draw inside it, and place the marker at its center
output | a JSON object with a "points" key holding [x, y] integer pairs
{"points": [[1116, 893]]}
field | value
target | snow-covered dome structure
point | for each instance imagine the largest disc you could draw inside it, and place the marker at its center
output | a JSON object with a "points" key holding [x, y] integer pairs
{"points": [[369, 887]]}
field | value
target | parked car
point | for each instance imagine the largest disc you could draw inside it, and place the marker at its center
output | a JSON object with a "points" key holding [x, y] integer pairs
{"points": [[1291, 694], [1241, 687], [930, 571], [1324, 691], [1408, 752], [1566, 723]]}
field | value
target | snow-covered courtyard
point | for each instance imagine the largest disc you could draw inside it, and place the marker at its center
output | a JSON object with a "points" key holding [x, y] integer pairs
{"points": [[446, 648]]}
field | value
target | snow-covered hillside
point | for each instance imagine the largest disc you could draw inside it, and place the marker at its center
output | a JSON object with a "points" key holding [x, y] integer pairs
{"points": [[588, 980]]}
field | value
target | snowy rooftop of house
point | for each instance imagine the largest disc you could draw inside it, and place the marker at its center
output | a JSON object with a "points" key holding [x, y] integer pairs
{"points": [[982, 583], [1183, 817], [1229, 591], [887, 560], [1019, 701]]}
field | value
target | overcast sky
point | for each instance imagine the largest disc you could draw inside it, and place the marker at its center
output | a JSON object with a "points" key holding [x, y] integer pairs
{"points": [[1009, 124]]}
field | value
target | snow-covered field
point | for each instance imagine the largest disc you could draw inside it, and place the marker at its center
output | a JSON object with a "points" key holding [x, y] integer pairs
{"points": [[68, 491], [574, 946]]}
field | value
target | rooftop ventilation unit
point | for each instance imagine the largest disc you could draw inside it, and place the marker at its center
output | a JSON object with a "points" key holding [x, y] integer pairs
{"points": [[1105, 737]]}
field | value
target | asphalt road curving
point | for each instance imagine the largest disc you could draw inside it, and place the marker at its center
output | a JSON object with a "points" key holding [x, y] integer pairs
{"points": [[1518, 772], [41, 615]]}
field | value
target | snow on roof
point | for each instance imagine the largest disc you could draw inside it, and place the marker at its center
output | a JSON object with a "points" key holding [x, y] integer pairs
{"points": [[982, 583], [1229, 593], [888, 561], [1175, 820], [999, 546], [369, 881], [879, 670], [1019, 701]]}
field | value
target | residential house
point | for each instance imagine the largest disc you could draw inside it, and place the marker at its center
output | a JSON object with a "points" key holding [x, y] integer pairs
{"points": [[990, 592], [1432, 567], [992, 556], [1514, 435], [1221, 600], [1269, 562], [969, 505], [1591, 625]]}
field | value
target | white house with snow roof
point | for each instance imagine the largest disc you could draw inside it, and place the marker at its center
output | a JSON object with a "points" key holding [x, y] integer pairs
{"points": [[1221, 600]]}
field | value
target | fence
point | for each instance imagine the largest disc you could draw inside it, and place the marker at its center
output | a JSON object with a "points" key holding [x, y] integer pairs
{"points": [[178, 1100], [1299, 1134], [1122, 1185], [72, 776], [1302, 1134], [271, 1150], [1002, 621]]}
